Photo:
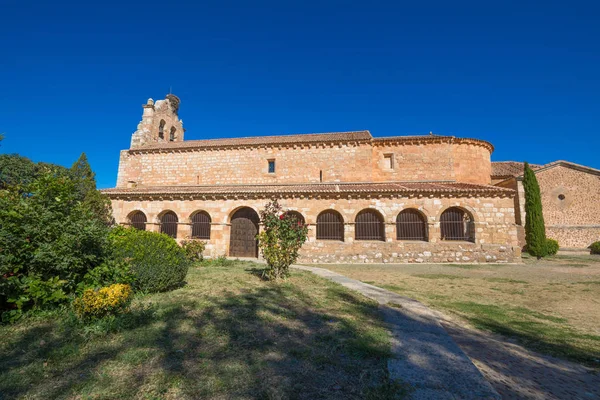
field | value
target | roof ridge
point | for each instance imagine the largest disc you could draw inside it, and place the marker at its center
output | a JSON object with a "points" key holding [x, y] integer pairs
{"points": [[282, 135]]}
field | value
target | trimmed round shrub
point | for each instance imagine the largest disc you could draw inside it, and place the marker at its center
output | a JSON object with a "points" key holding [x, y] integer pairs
{"points": [[157, 262], [595, 248], [551, 247]]}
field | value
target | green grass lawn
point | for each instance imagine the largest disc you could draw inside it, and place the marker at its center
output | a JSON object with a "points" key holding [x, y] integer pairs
{"points": [[551, 305], [226, 334]]}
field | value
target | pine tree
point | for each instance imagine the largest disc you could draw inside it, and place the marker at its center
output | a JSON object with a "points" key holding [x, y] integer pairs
{"points": [[535, 229]]}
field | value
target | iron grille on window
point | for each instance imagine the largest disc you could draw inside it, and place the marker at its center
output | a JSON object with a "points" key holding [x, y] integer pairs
{"points": [[369, 226], [138, 220], [295, 215], [168, 224], [456, 224], [330, 226], [271, 166], [201, 225], [411, 225]]}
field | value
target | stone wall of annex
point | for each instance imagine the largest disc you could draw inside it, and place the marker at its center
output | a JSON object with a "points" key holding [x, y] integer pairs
{"points": [[495, 236], [571, 205], [343, 162]]}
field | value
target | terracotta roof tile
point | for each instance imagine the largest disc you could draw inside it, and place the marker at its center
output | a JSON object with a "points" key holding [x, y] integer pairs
{"points": [[306, 138], [263, 140], [503, 169], [314, 188]]}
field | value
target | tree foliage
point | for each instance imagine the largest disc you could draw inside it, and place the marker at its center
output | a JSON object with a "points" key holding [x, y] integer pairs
{"points": [[49, 240], [85, 181], [535, 229], [281, 239], [19, 171]]}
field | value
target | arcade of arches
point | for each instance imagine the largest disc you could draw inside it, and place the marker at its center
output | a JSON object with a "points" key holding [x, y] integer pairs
{"points": [[353, 230]]}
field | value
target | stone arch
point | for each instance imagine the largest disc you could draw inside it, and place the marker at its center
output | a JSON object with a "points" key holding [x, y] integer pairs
{"points": [[411, 224], [474, 214], [457, 224], [296, 214], [371, 207], [227, 217], [161, 129], [137, 219], [243, 230], [168, 223], [330, 225], [201, 222], [369, 224]]}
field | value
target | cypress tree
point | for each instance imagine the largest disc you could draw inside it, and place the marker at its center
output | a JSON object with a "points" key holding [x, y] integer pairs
{"points": [[85, 181], [83, 175], [535, 229]]}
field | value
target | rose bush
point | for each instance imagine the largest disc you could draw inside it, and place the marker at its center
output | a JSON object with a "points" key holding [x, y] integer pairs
{"points": [[280, 240]]}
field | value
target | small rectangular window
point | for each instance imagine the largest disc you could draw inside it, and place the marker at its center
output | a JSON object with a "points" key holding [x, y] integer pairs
{"points": [[271, 166], [388, 161]]}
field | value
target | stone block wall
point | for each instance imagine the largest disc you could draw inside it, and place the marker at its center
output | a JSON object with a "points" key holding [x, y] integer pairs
{"points": [[347, 162], [571, 205], [495, 230]]}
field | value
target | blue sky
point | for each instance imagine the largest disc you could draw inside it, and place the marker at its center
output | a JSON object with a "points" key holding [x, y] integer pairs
{"points": [[522, 75]]}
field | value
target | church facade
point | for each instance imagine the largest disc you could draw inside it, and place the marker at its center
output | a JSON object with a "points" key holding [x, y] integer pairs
{"points": [[364, 199]]}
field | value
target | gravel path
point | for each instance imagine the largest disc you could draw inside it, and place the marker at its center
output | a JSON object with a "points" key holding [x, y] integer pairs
{"points": [[518, 373], [428, 358], [425, 356]]}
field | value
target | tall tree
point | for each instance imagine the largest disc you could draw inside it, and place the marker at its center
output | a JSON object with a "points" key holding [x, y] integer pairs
{"points": [[85, 180], [535, 229], [83, 174]]}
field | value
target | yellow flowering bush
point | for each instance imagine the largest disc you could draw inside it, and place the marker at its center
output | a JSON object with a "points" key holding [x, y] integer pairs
{"points": [[112, 299]]}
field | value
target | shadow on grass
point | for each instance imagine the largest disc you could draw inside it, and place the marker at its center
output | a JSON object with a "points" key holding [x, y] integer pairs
{"points": [[269, 341], [541, 332]]}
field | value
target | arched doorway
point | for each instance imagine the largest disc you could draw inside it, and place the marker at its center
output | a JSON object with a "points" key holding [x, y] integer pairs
{"points": [[244, 228]]}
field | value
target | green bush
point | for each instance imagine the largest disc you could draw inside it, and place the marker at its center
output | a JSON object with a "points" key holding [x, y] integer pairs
{"points": [[156, 260], [194, 249], [551, 247], [111, 271], [595, 248]]}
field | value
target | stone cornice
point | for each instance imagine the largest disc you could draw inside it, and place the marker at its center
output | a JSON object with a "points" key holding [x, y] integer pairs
{"points": [[312, 191], [431, 139]]}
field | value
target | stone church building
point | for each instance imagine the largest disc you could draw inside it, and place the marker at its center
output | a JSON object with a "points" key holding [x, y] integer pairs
{"points": [[364, 199]]}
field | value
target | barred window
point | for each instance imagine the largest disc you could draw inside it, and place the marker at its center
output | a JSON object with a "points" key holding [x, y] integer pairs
{"points": [[369, 226], [295, 215], [168, 224], [411, 225], [138, 220], [201, 225], [330, 226], [457, 224]]}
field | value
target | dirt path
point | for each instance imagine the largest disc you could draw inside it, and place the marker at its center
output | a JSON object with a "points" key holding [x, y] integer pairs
{"points": [[518, 373], [425, 356], [513, 371]]}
